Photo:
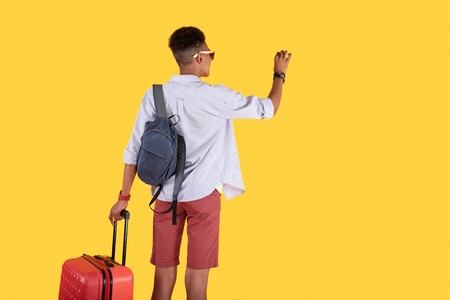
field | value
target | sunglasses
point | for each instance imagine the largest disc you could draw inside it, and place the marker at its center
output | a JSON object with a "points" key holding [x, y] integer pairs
{"points": [[211, 54]]}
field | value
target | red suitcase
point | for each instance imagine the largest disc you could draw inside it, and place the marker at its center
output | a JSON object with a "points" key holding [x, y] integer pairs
{"points": [[98, 277]]}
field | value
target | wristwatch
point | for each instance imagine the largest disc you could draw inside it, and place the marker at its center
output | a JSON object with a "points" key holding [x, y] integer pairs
{"points": [[124, 198]]}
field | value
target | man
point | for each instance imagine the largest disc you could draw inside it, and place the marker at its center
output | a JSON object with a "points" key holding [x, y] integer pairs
{"points": [[205, 116]]}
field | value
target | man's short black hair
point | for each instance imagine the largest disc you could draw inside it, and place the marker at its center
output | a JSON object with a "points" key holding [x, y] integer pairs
{"points": [[184, 43]]}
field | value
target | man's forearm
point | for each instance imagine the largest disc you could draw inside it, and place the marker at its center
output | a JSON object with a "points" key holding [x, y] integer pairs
{"points": [[275, 93], [280, 67], [128, 177]]}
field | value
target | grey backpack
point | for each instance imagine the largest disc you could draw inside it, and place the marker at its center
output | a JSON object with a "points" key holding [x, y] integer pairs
{"points": [[162, 153]]}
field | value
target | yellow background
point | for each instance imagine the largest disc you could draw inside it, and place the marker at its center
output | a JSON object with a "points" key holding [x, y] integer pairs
{"points": [[347, 187]]}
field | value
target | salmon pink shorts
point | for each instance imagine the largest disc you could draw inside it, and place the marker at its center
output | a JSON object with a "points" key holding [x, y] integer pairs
{"points": [[203, 218]]}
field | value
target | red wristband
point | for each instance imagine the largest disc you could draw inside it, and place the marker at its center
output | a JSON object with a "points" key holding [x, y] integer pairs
{"points": [[124, 198]]}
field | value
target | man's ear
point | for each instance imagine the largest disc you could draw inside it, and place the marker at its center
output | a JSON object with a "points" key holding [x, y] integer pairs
{"points": [[199, 59]]}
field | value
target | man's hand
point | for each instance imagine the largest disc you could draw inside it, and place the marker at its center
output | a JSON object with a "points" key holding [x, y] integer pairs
{"points": [[114, 214], [282, 60]]}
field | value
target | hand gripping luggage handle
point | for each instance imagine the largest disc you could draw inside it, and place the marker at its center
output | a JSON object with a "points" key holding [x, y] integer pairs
{"points": [[126, 215]]}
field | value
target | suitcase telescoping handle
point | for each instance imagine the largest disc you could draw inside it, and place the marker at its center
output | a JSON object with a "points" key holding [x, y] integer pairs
{"points": [[126, 215]]}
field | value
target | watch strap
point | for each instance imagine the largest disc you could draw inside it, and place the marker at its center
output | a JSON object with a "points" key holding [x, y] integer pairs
{"points": [[124, 198]]}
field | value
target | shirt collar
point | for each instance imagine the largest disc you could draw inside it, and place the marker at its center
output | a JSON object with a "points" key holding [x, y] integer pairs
{"points": [[185, 78]]}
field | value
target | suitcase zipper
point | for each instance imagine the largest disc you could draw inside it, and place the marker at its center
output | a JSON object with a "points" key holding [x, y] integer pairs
{"points": [[99, 266]]}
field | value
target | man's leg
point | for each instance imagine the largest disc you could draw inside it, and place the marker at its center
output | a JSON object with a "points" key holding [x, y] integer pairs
{"points": [[164, 283], [166, 249], [203, 220], [196, 283]]}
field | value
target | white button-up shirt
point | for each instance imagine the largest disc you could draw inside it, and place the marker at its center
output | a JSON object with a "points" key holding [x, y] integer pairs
{"points": [[205, 121]]}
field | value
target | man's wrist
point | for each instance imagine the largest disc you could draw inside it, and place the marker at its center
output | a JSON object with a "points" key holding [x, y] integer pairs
{"points": [[123, 197], [279, 75]]}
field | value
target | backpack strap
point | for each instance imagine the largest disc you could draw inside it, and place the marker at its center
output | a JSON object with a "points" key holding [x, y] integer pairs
{"points": [[160, 105], [181, 156], [173, 206], [179, 174]]}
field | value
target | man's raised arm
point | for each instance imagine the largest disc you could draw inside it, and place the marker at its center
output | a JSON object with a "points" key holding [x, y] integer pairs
{"points": [[282, 60]]}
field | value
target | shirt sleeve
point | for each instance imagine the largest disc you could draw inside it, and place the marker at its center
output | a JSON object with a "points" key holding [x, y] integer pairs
{"points": [[230, 104], [145, 114]]}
